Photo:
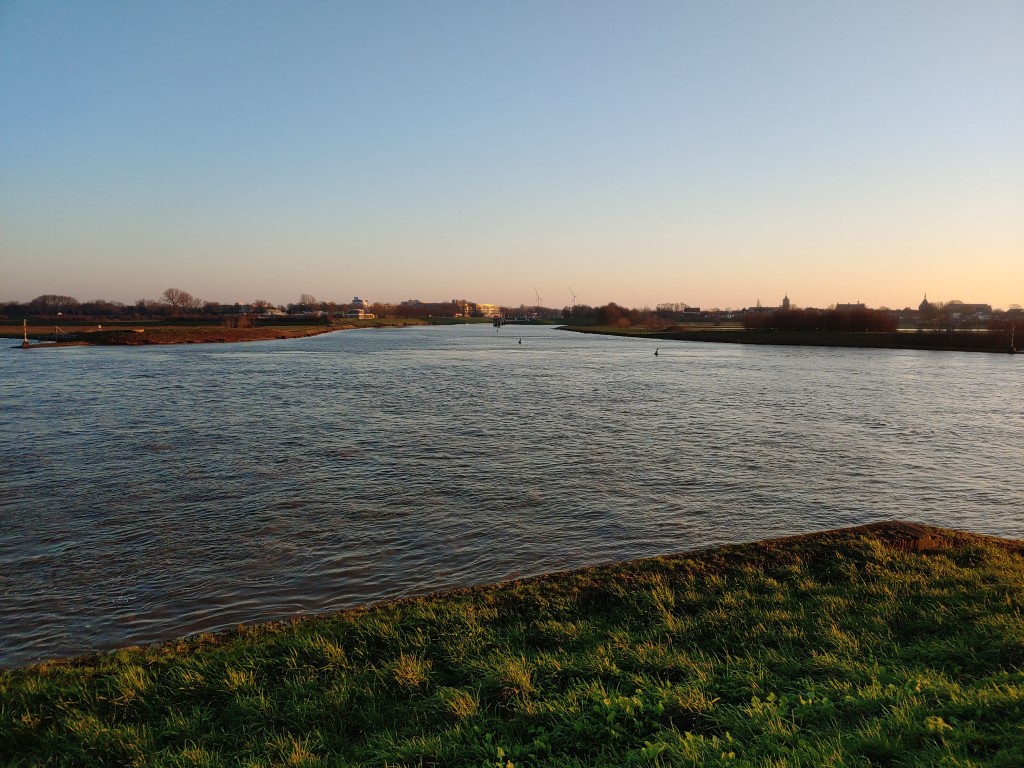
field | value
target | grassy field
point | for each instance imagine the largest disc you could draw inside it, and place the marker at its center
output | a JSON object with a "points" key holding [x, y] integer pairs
{"points": [[838, 649]]}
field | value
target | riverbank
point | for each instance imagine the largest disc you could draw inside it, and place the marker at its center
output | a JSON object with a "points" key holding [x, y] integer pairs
{"points": [[140, 334], [929, 340], [874, 645]]}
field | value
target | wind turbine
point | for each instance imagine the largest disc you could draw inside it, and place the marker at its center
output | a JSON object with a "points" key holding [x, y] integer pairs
{"points": [[538, 300], [573, 298]]}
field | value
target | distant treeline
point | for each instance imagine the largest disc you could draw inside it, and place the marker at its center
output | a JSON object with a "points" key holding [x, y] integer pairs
{"points": [[861, 320], [174, 304], [612, 314], [609, 314], [832, 320]]}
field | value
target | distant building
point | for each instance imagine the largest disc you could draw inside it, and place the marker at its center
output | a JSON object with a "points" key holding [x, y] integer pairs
{"points": [[486, 310], [850, 307], [358, 303], [971, 309], [958, 309], [969, 312], [360, 314], [784, 306]]}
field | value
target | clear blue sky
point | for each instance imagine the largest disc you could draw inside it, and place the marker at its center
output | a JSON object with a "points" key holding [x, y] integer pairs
{"points": [[714, 153]]}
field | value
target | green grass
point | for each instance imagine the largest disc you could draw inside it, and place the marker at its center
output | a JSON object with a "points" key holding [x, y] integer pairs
{"points": [[831, 650]]}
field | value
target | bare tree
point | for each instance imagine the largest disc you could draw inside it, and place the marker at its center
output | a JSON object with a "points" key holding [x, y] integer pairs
{"points": [[307, 300], [179, 300], [50, 304]]}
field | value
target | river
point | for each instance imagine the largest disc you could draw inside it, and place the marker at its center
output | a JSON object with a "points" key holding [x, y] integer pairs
{"points": [[153, 492]]}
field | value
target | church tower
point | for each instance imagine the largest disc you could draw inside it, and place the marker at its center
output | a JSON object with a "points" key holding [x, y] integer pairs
{"points": [[785, 303]]}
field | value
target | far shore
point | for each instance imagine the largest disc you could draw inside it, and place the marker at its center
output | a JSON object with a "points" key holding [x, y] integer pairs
{"points": [[941, 341]]}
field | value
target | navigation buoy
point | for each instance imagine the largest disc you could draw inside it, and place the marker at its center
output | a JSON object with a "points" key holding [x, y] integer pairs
{"points": [[656, 351]]}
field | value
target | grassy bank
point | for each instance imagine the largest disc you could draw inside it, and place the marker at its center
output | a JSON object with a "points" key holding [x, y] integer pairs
{"points": [[961, 341], [139, 334], [844, 648], [186, 332]]}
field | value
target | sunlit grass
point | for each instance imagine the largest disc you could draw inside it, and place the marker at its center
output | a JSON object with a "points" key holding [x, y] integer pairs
{"points": [[834, 650]]}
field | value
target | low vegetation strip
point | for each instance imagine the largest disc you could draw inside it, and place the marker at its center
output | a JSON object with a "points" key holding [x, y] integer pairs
{"points": [[184, 332], [202, 335], [872, 646], [142, 334], [951, 341]]}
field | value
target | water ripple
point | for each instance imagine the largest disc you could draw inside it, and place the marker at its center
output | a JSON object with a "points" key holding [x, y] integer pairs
{"points": [[154, 492]]}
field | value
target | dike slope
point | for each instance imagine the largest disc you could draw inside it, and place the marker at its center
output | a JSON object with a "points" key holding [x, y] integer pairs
{"points": [[878, 645]]}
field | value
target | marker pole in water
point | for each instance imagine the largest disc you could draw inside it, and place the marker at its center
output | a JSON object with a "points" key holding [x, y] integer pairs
{"points": [[24, 334]]}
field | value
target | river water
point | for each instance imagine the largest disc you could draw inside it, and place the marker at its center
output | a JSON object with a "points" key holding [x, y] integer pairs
{"points": [[153, 492]]}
